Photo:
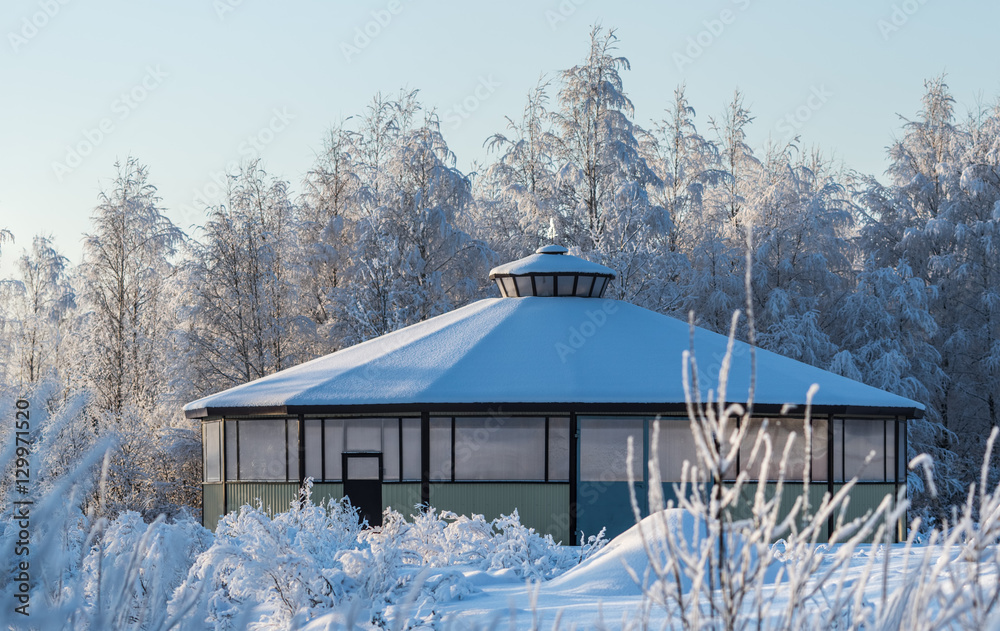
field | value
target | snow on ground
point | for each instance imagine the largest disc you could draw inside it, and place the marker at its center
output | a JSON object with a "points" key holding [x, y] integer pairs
{"points": [[602, 591]]}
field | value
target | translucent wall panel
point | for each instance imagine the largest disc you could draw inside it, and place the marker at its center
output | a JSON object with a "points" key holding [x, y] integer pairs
{"points": [[390, 449], [544, 286], [362, 468], [584, 285], [212, 450], [564, 285], [675, 444], [232, 450], [890, 452], [837, 451], [599, 284], [603, 449], [820, 450], [508, 287], [363, 434], [440, 437], [779, 430], [262, 449], [524, 286], [293, 449], [411, 448], [333, 445], [559, 444], [862, 436], [488, 448], [314, 448]]}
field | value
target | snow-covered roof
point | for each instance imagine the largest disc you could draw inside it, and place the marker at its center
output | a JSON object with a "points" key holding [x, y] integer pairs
{"points": [[551, 259], [510, 351]]}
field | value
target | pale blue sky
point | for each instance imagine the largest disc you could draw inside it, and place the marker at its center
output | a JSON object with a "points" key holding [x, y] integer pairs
{"points": [[209, 74]]}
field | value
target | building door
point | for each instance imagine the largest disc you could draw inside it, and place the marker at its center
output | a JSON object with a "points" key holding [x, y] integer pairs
{"points": [[363, 483]]}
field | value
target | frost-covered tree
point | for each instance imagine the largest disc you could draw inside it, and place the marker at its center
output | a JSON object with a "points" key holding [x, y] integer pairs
{"points": [[602, 187], [38, 304], [328, 205], [127, 264], [411, 253], [515, 206], [246, 325], [802, 220]]}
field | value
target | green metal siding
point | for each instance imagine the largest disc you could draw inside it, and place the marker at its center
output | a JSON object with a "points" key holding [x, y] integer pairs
{"points": [[544, 507], [275, 497], [867, 497], [322, 492], [863, 498], [401, 497], [211, 505]]}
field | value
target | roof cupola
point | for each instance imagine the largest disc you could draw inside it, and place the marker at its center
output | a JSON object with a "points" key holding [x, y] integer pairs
{"points": [[552, 271]]}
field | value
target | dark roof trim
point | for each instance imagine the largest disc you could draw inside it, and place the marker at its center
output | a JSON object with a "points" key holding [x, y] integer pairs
{"points": [[536, 408]]}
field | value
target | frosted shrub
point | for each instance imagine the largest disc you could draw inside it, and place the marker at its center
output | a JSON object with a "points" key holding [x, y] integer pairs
{"points": [[306, 560]]}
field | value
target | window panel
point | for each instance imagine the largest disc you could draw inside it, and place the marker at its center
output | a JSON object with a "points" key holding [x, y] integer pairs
{"points": [[603, 449], [440, 449], [489, 448], [333, 435], [544, 286], [779, 430], [564, 285], [232, 451], [819, 450], [411, 449], [314, 448], [838, 450], [362, 468], [508, 286], [262, 449], [675, 444], [890, 452], [390, 448], [558, 449], [212, 451], [599, 284], [363, 434], [860, 438], [584, 285], [293, 449], [524, 286]]}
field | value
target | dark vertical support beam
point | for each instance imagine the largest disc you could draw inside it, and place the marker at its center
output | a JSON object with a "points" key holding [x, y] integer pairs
{"points": [[425, 458], [399, 431], [302, 450], [453, 449], [574, 475], [829, 471], [546, 473]]}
